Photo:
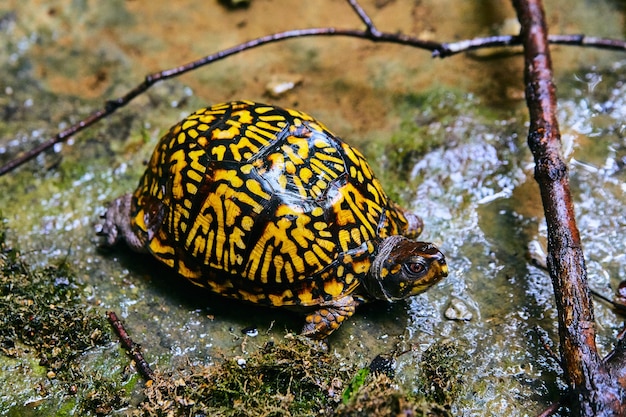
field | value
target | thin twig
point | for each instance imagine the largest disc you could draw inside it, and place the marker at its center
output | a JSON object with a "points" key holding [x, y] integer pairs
{"points": [[364, 18], [112, 106], [449, 49], [371, 33], [134, 350], [604, 298]]}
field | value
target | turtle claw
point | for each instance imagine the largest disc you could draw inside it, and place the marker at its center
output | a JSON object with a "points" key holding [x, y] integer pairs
{"points": [[321, 323]]}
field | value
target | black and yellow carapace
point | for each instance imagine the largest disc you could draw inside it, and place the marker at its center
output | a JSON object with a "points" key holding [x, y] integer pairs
{"points": [[264, 204]]}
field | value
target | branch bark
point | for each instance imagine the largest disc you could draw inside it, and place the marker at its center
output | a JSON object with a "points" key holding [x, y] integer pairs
{"points": [[593, 391], [133, 349]]}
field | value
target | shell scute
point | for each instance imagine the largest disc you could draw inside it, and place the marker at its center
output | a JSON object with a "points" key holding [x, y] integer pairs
{"points": [[262, 204]]}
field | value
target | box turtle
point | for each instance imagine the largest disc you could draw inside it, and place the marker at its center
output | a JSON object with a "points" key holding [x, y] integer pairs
{"points": [[264, 204]]}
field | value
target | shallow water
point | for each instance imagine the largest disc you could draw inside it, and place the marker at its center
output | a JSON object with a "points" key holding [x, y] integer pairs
{"points": [[473, 186]]}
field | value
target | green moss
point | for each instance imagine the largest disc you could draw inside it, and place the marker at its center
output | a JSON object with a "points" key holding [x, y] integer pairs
{"points": [[102, 397], [380, 396], [441, 372], [290, 378], [46, 331], [293, 377], [39, 309], [357, 382]]}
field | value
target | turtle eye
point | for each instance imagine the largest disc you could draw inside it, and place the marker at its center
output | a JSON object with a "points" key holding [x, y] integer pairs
{"points": [[415, 268]]}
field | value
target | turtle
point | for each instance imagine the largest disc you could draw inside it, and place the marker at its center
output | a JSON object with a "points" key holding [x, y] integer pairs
{"points": [[264, 204]]}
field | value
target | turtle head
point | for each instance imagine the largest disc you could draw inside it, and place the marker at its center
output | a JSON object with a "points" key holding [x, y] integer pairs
{"points": [[403, 268]]}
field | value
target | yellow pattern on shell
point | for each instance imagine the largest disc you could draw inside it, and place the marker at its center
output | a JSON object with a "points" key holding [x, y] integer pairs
{"points": [[263, 204]]}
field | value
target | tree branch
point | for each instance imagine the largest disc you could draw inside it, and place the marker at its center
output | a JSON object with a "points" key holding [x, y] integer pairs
{"points": [[371, 33], [592, 390], [449, 49], [112, 106], [133, 349]]}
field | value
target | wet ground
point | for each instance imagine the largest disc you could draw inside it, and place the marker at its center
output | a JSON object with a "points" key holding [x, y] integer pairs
{"points": [[447, 138]]}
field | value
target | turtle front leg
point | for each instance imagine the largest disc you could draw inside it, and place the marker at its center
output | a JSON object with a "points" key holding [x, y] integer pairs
{"points": [[322, 322]]}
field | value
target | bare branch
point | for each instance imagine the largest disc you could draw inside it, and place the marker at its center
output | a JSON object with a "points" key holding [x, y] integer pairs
{"points": [[113, 105], [371, 33], [134, 350], [592, 390], [449, 49]]}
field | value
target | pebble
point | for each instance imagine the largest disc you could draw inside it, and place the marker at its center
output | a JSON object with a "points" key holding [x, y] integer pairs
{"points": [[457, 310]]}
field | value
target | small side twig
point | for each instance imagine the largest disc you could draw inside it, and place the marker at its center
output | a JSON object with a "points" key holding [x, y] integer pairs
{"points": [[364, 18], [134, 350]]}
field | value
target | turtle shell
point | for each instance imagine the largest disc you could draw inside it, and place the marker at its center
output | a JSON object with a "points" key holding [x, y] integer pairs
{"points": [[264, 204]]}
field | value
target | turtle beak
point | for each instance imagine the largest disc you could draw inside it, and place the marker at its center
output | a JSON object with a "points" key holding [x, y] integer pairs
{"points": [[443, 267]]}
